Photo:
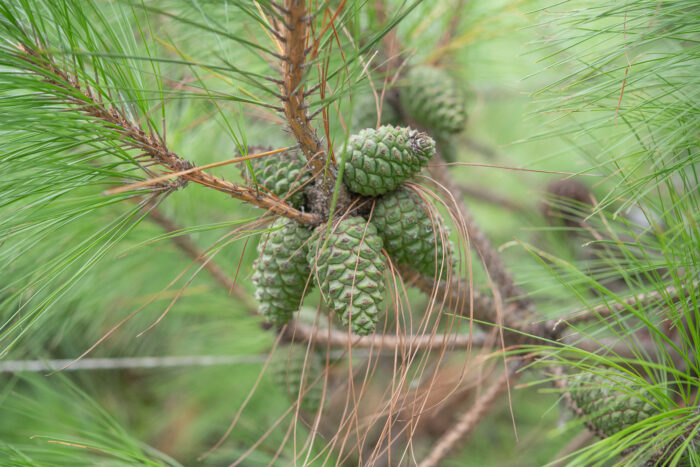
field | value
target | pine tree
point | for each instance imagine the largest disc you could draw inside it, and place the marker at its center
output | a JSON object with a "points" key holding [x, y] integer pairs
{"points": [[177, 177]]}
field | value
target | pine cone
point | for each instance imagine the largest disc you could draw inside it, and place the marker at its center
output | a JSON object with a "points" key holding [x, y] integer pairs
{"points": [[609, 403], [410, 235], [350, 268], [568, 202], [281, 174], [379, 160], [292, 371], [364, 113], [433, 99], [281, 270]]}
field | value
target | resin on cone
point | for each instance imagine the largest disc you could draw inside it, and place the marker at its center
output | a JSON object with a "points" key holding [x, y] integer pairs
{"points": [[349, 267], [281, 174], [281, 270], [379, 160], [434, 100], [411, 236]]}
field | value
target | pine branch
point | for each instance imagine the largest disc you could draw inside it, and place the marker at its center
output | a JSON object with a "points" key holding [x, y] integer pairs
{"points": [[455, 294], [295, 34], [296, 331], [188, 247], [460, 300], [606, 310], [491, 197], [464, 427], [453, 25], [20, 366], [390, 42], [84, 100], [490, 257]]}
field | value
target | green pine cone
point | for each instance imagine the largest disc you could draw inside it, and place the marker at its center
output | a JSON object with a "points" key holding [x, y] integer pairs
{"points": [[380, 160], [364, 113], [281, 270], [295, 374], [433, 99], [281, 174], [608, 409], [350, 270], [410, 235]]}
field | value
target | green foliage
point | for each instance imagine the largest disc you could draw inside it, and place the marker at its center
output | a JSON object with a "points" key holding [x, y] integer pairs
{"points": [[57, 424], [616, 95], [625, 101]]}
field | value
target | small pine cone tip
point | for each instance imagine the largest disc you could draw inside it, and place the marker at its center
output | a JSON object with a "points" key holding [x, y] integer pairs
{"points": [[378, 161]]}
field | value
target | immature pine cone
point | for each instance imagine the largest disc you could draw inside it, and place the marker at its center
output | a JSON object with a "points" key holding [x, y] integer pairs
{"points": [[280, 173], [295, 374], [609, 403], [433, 99], [350, 271], [281, 270], [568, 202], [410, 235], [379, 160]]}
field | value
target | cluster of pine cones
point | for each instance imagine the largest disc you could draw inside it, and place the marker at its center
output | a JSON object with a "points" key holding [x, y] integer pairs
{"points": [[345, 259]]}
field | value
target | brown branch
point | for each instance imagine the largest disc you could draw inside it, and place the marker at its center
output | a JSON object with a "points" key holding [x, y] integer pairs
{"points": [[341, 339], [83, 99], [187, 246], [456, 14], [606, 310], [461, 430], [295, 31], [390, 42], [492, 260], [460, 300], [455, 294], [491, 197]]}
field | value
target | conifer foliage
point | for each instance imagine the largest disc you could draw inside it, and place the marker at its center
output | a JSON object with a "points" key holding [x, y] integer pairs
{"points": [[199, 184]]}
